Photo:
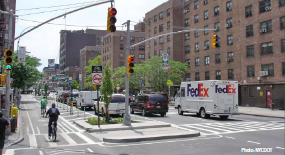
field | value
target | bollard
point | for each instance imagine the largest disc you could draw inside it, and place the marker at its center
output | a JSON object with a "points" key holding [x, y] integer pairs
{"points": [[84, 113], [77, 112]]}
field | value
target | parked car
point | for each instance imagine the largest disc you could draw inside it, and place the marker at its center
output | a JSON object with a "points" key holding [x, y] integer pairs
{"points": [[86, 99], [116, 107], [150, 103]]}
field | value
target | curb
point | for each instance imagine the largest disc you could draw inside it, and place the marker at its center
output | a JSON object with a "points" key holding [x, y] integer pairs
{"points": [[90, 130], [21, 137], [261, 115], [81, 126], [124, 140]]}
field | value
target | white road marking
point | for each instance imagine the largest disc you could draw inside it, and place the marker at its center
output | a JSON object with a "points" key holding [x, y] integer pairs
{"points": [[33, 141], [65, 150], [68, 139], [230, 137], [41, 152], [28, 131], [89, 150], [201, 128], [253, 142], [62, 127], [30, 121], [38, 130], [67, 127], [10, 152], [51, 144], [89, 141], [279, 148]]}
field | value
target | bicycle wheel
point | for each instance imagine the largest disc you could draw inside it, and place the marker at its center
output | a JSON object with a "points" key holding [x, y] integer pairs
{"points": [[54, 134]]}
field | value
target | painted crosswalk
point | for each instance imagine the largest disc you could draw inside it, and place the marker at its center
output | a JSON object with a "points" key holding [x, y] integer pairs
{"points": [[237, 127]]}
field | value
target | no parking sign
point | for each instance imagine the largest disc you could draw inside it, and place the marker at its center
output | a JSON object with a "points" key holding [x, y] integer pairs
{"points": [[97, 76]]}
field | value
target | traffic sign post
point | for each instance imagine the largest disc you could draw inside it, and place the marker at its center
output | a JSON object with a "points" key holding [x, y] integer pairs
{"points": [[97, 79]]}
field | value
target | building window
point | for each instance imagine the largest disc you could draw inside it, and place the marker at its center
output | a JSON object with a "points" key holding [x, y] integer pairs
{"points": [[217, 58], [282, 25], [205, 2], [148, 33], [196, 5], [133, 39], [121, 64], [141, 56], [155, 42], [250, 71], [187, 36], [207, 75], [160, 52], [230, 56], [230, 74], [266, 27], [8, 8], [6, 36], [155, 18], [229, 23], [168, 25], [196, 19], [168, 12], [149, 21], [187, 22], [141, 39], [155, 53], [187, 61], [264, 6], [229, 6], [161, 40], [188, 77], [248, 11], [216, 11], [187, 49], [267, 48], [283, 45], [168, 38], [121, 47], [133, 48], [206, 45], [168, 50], [160, 15], [197, 61], [186, 9], [196, 47], [155, 30], [207, 60], [196, 34], [161, 28], [269, 68], [217, 27], [149, 44], [230, 40], [281, 3], [218, 75], [149, 56], [206, 32], [206, 15], [250, 51], [121, 56], [283, 68], [141, 48], [197, 76], [121, 38], [249, 31]]}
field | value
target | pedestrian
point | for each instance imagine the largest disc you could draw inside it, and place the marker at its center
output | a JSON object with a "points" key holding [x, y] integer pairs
{"points": [[4, 124], [18, 100]]}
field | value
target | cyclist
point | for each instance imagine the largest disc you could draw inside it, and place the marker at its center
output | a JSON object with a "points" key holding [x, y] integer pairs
{"points": [[43, 104], [53, 116]]}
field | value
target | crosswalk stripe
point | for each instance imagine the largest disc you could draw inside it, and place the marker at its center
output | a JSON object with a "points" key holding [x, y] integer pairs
{"points": [[62, 127], [198, 128], [67, 127], [212, 128], [33, 141], [68, 139], [89, 141], [51, 144]]}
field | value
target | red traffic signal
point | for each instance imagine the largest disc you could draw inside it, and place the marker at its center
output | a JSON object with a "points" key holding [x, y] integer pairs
{"points": [[112, 11], [131, 58]]}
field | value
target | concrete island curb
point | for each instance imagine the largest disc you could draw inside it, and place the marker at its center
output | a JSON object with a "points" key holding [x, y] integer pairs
{"points": [[157, 137], [261, 115], [21, 137]]}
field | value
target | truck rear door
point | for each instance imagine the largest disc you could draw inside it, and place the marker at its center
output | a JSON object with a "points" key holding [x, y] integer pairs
{"points": [[225, 99]]}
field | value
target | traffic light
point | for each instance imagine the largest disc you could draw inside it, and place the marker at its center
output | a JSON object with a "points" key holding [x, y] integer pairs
{"points": [[3, 80], [215, 42], [130, 65], [111, 28], [8, 59]]}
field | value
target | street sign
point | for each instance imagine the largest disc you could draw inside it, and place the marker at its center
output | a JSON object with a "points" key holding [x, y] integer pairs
{"points": [[97, 75], [70, 81], [165, 61], [169, 82]]}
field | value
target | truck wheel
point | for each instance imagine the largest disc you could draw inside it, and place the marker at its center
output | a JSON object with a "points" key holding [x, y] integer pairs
{"points": [[132, 111], [203, 113], [224, 117], [143, 112], [162, 114], [180, 112]]}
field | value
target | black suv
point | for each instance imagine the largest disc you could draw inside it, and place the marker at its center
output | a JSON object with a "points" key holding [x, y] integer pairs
{"points": [[150, 103]]}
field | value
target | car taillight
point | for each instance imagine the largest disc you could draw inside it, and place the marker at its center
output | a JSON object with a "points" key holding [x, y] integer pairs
{"points": [[148, 104], [168, 104]]}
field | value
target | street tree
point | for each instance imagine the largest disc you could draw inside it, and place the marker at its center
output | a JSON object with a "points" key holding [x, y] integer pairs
{"points": [[75, 84], [107, 89]]}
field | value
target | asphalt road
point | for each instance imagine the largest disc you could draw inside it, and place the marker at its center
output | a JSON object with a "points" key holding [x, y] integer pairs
{"points": [[217, 136]]}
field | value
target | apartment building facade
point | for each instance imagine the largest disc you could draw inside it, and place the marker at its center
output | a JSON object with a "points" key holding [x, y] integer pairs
{"points": [[114, 48]]}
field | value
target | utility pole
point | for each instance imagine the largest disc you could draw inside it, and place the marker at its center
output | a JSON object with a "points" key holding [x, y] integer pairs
{"points": [[127, 117]]}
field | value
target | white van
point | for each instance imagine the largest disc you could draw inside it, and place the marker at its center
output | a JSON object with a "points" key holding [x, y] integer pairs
{"points": [[86, 98], [205, 98], [116, 107], [58, 95]]}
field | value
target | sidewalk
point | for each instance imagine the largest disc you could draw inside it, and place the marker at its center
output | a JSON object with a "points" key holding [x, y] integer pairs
{"points": [[137, 132], [261, 112]]}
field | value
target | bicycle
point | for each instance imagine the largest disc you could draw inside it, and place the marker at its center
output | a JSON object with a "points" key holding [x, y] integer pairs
{"points": [[53, 131], [43, 110]]}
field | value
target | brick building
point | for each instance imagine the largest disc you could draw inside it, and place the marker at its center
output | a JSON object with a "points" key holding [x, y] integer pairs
{"points": [[71, 42], [251, 38], [114, 48]]}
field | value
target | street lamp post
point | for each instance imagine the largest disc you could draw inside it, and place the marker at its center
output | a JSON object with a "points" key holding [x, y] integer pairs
{"points": [[20, 38]]}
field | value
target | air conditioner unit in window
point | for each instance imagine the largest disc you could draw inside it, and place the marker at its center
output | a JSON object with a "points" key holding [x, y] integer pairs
{"points": [[197, 49], [258, 78], [230, 59], [186, 11], [230, 42], [206, 47], [263, 30], [268, 8], [263, 73], [187, 37], [228, 25], [229, 8]]}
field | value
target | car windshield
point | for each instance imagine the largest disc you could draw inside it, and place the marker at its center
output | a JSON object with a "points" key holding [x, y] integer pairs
{"points": [[118, 99], [158, 97]]}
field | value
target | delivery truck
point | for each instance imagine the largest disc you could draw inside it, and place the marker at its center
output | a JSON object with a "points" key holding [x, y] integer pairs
{"points": [[206, 98], [87, 98]]}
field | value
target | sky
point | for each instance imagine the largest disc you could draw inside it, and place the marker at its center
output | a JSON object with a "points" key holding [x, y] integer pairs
{"points": [[44, 41]]}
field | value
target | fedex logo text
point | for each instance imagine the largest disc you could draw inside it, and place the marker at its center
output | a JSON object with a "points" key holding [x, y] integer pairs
{"points": [[197, 92], [227, 90]]}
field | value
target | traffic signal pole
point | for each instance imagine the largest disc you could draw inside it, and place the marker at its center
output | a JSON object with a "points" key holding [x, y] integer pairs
{"points": [[127, 117]]}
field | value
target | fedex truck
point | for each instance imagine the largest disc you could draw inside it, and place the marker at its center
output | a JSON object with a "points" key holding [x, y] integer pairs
{"points": [[205, 98]]}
